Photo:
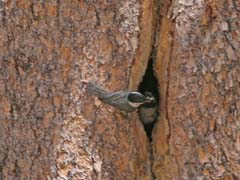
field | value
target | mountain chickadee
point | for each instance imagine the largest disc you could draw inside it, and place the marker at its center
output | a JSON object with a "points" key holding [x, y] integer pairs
{"points": [[123, 100]]}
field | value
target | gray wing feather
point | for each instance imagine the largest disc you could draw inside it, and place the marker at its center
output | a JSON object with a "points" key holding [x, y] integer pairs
{"points": [[96, 90], [116, 99]]}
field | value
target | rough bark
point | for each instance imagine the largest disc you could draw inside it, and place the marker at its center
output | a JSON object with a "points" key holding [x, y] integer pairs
{"points": [[197, 136], [50, 128]]}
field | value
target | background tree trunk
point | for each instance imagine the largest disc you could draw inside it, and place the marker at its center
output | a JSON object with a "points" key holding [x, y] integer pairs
{"points": [[198, 66], [50, 128]]}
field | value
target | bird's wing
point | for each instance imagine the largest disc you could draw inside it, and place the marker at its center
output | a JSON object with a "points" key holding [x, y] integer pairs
{"points": [[116, 97], [119, 100], [96, 90]]}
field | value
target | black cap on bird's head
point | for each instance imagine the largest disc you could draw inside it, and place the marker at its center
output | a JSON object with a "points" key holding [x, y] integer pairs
{"points": [[136, 97]]}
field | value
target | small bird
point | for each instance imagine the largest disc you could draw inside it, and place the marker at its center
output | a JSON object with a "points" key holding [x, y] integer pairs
{"points": [[124, 100], [148, 112]]}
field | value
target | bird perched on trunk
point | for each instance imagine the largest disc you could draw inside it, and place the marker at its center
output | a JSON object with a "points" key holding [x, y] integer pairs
{"points": [[123, 100]]}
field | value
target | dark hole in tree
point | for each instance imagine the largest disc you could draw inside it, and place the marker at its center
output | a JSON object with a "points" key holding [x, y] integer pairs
{"points": [[149, 83]]}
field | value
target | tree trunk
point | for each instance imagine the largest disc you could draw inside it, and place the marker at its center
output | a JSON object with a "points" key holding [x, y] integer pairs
{"points": [[197, 64], [51, 128]]}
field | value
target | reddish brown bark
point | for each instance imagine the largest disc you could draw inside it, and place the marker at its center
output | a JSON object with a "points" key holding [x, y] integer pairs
{"points": [[197, 136], [50, 128]]}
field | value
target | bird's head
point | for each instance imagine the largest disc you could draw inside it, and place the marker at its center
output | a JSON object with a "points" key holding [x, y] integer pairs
{"points": [[136, 99]]}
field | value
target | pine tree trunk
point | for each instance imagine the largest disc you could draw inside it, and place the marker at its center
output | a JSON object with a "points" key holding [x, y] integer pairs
{"points": [[198, 67], [51, 128]]}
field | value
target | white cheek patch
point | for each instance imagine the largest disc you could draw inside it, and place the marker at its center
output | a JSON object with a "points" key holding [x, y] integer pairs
{"points": [[135, 105]]}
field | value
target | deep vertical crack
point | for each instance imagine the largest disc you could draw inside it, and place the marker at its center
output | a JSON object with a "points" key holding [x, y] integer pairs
{"points": [[167, 89], [150, 83]]}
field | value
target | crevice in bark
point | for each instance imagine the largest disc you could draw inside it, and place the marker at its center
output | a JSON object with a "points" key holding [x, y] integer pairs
{"points": [[167, 91], [149, 83]]}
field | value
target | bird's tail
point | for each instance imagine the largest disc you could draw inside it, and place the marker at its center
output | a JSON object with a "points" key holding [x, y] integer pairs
{"points": [[96, 90]]}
